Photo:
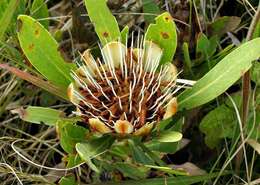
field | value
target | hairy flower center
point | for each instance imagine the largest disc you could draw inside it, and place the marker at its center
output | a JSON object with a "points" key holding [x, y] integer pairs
{"points": [[125, 101], [128, 92]]}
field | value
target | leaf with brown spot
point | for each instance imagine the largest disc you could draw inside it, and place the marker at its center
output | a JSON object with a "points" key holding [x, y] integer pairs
{"points": [[163, 33], [37, 32], [41, 49], [30, 47], [105, 23]]}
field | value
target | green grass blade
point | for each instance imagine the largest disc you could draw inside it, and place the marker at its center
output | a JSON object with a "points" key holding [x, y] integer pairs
{"points": [[6, 17], [42, 51], [181, 180], [39, 10], [222, 76], [70, 180]]}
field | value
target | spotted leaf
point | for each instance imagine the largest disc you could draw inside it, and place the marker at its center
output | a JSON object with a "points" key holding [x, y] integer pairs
{"points": [[163, 33]]}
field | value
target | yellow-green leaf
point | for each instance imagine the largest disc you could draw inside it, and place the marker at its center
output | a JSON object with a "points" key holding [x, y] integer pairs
{"points": [[163, 33], [39, 115], [42, 51], [169, 137], [222, 76], [104, 22], [124, 34]]}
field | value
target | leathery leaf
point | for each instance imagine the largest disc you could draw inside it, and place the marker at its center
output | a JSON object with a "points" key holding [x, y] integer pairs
{"points": [[41, 49], [163, 33]]}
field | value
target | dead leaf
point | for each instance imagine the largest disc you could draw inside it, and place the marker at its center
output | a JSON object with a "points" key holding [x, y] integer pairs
{"points": [[191, 168], [254, 144]]}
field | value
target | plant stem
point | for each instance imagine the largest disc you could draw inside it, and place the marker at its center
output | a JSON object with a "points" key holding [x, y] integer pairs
{"points": [[246, 86]]}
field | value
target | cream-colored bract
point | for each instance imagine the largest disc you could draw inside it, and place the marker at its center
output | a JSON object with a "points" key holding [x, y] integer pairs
{"points": [[98, 126], [123, 127], [144, 130], [143, 62], [171, 108]]}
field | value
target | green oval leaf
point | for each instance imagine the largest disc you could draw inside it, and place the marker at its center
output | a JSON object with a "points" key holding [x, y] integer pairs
{"points": [[221, 119], [39, 115], [223, 25], [169, 137], [163, 33], [139, 156], [150, 7], [163, 147], [91, 149], [42, 51], [70, 134], [222, 76]]}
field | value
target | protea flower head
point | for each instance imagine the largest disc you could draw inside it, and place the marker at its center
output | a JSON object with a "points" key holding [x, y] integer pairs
{"points": [[128, 91]]}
